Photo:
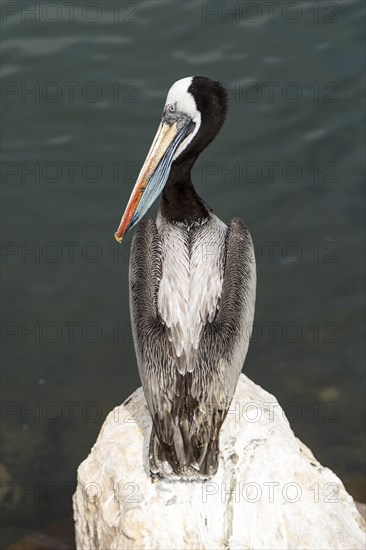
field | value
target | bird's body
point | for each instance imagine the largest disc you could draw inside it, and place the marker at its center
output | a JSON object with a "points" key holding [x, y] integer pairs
{"points": [[192, 295]]}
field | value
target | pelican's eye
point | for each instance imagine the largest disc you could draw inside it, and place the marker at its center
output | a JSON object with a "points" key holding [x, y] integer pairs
{"points": [[170, 108]]}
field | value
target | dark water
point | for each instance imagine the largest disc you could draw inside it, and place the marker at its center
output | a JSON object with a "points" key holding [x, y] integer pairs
{"points": [[81, 101]]}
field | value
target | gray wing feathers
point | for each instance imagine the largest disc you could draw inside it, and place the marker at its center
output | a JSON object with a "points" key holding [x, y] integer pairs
{"points": [[156, 368], [149, 333], [225, 341]]}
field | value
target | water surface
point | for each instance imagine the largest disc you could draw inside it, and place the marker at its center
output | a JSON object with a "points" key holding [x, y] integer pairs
{"points": [[81, 103]]}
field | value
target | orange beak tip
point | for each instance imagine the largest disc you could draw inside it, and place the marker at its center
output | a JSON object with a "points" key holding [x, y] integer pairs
{"points": [[118, 239]]}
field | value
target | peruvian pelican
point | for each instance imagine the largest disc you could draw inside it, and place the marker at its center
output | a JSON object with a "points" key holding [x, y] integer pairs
{"points": [[192, 289]]}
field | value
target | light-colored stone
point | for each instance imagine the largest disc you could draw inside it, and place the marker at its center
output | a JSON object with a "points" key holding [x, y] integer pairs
{"points": [[269, 492]]}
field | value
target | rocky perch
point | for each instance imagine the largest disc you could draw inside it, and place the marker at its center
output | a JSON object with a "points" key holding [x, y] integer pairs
{"points": [[269, 491]]}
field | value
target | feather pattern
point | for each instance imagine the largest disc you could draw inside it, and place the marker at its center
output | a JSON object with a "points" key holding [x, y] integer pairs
{"points": [[192, 295], [191, 283]]}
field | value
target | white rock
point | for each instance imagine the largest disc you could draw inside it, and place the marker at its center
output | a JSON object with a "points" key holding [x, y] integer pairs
{"points": [[269, 492]]}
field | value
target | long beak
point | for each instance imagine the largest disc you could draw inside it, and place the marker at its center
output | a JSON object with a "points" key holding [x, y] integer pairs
{"points": [[153, 175]]}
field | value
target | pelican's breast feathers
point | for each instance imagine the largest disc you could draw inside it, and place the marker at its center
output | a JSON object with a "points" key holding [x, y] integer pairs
{"points": [[192, 272]]}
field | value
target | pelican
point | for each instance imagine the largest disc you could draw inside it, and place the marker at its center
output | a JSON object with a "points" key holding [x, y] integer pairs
{"points": [[192, 289]]}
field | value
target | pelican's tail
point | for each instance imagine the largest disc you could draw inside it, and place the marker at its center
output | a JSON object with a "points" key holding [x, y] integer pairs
{"points": [[188, 456]]}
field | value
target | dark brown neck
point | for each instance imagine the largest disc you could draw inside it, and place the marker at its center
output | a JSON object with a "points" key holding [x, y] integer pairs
{"points": [[180, 202]]}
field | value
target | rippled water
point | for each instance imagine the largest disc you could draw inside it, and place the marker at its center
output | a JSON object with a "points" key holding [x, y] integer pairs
{"points": [[289, 160]]}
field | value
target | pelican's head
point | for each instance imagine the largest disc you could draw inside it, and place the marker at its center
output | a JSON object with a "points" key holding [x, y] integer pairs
{"points": [[194, 112]]}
